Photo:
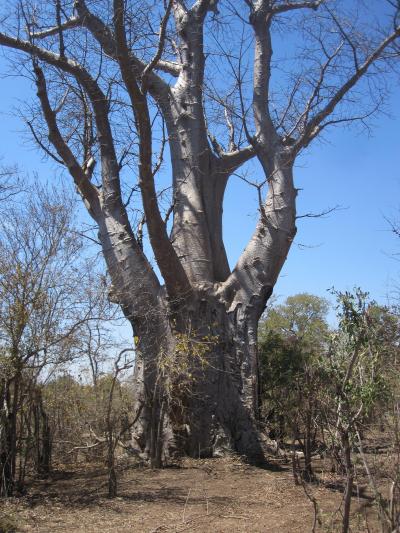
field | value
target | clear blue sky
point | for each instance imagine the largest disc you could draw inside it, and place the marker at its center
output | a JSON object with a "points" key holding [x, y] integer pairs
{"points": [[353, 246]]}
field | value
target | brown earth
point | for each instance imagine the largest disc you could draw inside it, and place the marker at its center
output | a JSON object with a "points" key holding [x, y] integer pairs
{"points": [[216, 495]]}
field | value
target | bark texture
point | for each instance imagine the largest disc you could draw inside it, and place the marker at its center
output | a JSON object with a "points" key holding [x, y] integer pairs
{"points": [[200, 396]]}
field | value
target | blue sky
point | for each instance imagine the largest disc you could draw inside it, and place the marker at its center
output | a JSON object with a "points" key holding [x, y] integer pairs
{"points": [[361, 173], [354, 245]]}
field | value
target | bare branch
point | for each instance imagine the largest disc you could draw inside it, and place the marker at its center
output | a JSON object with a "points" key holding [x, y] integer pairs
{"points": [[315, 94], [290, 6], [168, 66], [321, 214], [231, 161], [43, 146], [88, 191], [161, 42], [266, 134], [71, 23], [315, 125]]}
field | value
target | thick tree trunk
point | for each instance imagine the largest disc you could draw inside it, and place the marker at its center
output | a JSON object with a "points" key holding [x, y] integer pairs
{"points": [[200, 393]]}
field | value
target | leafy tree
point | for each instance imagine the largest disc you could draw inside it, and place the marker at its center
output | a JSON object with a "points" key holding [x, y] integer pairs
{"points": [[357, 385], [293, 339], [336, 382], [113, 91]]}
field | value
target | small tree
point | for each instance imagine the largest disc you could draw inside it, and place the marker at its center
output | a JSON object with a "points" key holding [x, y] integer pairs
{"points": [[116, 424], [357, 381], [69, 405], [41, 311], [384, 477], [293, 338]]}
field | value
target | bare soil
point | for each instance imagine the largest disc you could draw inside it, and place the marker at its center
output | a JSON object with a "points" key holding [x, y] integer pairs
{"points": [[215, 495]]}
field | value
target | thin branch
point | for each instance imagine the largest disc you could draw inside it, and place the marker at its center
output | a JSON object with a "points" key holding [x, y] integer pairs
{"points": [[87, 189], [60, 30], [74, 22], [161, 43], [42, 146], [321, 214], [315, 125]]}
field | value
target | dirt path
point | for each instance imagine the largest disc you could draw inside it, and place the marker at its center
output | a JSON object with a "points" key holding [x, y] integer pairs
{"points": [[220, 495]]}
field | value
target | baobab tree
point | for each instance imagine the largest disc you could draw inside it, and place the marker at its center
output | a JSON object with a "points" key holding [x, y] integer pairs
{"points": [[123, 86]]}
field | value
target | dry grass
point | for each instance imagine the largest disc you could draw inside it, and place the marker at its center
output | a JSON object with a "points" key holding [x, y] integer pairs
{"points": [[216, 495]]}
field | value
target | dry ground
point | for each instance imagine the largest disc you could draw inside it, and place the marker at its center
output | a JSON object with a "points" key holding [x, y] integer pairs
{"points": [[216, 495]]}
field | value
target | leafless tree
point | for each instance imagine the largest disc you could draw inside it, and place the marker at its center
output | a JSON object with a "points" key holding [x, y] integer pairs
{"points": [[41, 313], [9, 184], [120, 82]]}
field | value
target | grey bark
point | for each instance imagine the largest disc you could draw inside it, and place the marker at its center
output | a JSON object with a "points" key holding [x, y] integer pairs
{"points": [[216, 411]]}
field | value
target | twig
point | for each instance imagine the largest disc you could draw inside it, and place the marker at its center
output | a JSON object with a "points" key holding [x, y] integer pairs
{"points": [[317, 518]]}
